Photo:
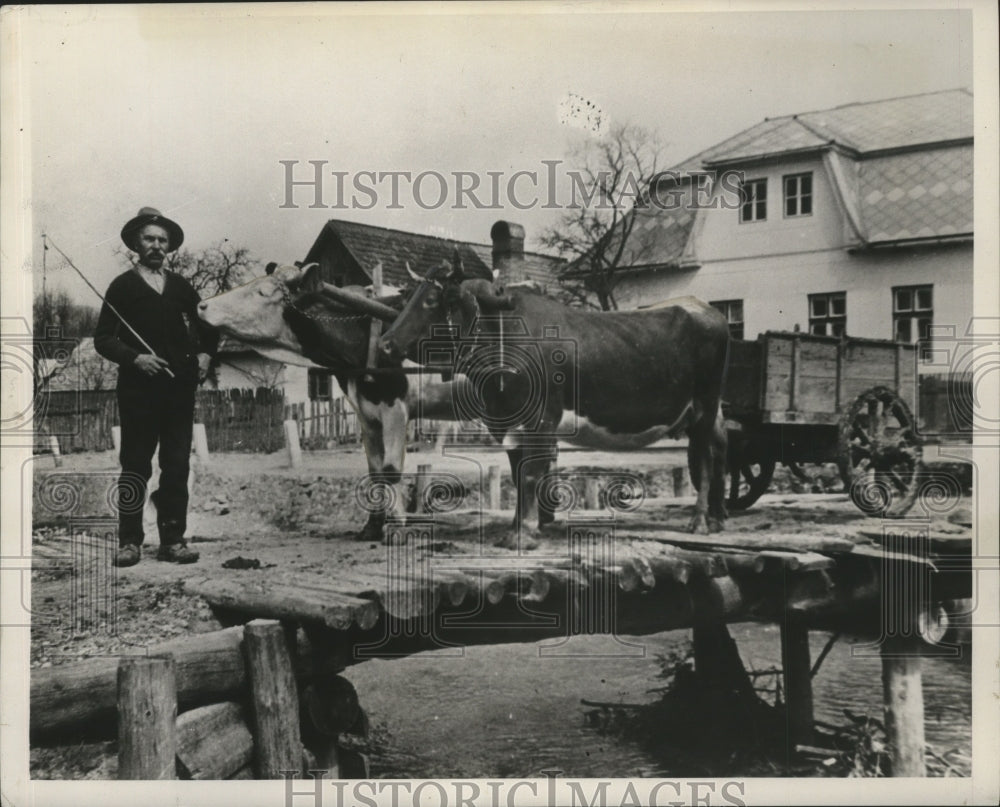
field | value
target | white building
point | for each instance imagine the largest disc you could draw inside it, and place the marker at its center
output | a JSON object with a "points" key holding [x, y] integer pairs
{"points": [[856, 219]]}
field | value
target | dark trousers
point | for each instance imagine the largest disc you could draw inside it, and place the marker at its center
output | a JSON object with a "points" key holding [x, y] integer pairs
{"points": [[161, 412]]}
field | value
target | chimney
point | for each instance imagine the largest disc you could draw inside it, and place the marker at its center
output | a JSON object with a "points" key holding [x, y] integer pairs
{"points": [[508, 252]]}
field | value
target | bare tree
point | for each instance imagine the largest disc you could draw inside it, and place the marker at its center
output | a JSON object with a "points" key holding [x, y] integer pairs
{"points": [[210, 271], [596, 237]]}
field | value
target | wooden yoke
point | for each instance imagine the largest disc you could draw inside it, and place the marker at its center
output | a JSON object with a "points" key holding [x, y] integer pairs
{"points": [[376, 324]]}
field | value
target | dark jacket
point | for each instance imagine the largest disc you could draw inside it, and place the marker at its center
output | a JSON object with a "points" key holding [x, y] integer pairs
{"points": [[168, 322]]}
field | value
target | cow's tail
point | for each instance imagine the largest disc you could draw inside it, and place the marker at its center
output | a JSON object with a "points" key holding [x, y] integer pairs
{"points": [[725, 369]]}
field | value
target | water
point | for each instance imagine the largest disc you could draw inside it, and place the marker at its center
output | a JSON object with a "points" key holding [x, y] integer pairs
{"points": [[503, 711]]}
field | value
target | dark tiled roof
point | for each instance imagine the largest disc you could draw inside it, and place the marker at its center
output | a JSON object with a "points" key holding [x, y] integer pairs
{"points": [[394, 248], [902, 166], [864, 127]]}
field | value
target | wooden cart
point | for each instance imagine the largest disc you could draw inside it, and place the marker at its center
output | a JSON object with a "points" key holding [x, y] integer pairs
{"points": [[797, 398]]}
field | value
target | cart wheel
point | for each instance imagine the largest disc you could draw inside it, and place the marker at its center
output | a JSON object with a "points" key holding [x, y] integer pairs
{"points": [[880, 457], [748, 481]]}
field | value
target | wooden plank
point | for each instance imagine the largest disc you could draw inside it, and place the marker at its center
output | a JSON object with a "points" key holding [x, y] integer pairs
{"points": [[940, 542], [761, 540], [287, 601], [817, 394]]}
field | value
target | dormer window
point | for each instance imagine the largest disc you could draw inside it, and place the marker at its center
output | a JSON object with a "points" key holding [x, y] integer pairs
{"points": [[798, 195], [753, 200]]}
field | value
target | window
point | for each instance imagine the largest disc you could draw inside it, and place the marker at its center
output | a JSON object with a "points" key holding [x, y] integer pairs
{"points": [[319, 385], [912, 314], [798, 194], [753, 200], [733, 312], [828, 313]]}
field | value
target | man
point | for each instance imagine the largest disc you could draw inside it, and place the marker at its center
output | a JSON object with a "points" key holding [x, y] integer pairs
{"points": [[156, 383]]}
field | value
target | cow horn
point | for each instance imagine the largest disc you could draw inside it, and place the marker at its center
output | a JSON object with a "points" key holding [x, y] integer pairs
{"points": [[413, 274]]}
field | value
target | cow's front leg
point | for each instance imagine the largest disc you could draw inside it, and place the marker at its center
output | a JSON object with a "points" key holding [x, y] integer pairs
{"points": [[700, 467], [393, 419], [383, 434], [717, 492], [528, 464]]}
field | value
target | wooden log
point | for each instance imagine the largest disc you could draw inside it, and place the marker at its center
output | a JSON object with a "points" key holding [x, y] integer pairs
{"points": [[797, 668], [408, 599], [79, 699], [902, 691], [796, 561], [292, 446], [452, 585], [493, 501], [276, 600], [213, 742], [147, 718], [790, 542], [274, 700]]}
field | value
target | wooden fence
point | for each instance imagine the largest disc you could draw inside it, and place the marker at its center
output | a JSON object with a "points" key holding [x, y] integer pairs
{"points": [[81, 420], [242, 420], [324, 423], [235, 420], [245, 420]]}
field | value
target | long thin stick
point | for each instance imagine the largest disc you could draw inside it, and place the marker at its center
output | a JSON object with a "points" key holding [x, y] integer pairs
{"points": [[114, 310]]}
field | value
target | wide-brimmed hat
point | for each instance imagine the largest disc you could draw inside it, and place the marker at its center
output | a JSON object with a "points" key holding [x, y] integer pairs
{"points": [[150, 215]]}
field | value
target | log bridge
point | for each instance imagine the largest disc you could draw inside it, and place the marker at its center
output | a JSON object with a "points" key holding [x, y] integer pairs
{"points": [[892, 582]]}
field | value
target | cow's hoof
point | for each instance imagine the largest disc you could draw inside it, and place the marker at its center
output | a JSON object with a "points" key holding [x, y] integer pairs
{"points": [[369, 533], [552, 527], [522, 540], [699, 525], [715, 525]]}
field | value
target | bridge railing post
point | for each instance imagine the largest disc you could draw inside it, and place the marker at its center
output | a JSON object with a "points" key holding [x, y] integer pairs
{"points": [[796, 663], [274, 695], [147, 718]]}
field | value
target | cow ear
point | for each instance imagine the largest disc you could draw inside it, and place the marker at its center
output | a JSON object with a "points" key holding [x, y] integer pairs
{"points": [[311, 278], [269, 269]]}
